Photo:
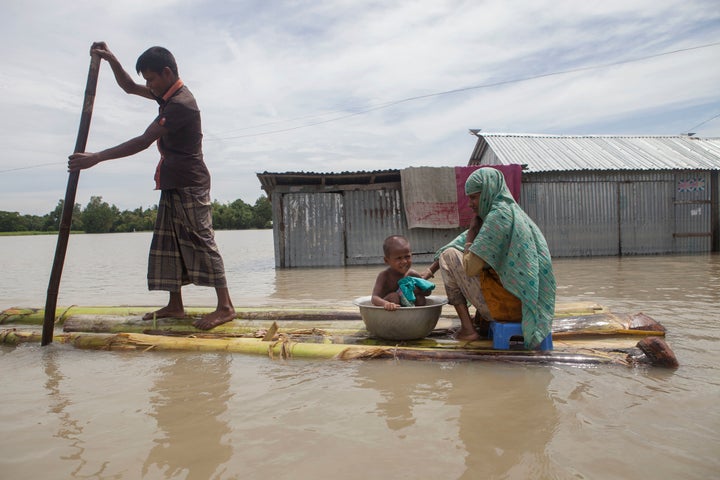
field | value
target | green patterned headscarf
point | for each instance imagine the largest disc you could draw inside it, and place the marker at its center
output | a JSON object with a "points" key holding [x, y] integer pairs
{"points": [[511, 243]]}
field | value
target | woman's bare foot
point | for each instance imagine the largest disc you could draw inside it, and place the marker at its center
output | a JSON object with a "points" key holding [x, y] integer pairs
{"points": [[165, 312], [466, 336], [212, 320]]}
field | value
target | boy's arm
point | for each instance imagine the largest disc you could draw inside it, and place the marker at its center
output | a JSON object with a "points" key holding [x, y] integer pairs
{"points": [[121, 76], [413, 273], [380, 290], [81, 161]]}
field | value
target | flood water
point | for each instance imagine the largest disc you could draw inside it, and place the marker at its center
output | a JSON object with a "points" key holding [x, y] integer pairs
{"points": [[72, 414]]}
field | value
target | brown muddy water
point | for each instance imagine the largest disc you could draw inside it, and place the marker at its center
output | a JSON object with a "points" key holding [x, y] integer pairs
{"points": [[71, 414]]}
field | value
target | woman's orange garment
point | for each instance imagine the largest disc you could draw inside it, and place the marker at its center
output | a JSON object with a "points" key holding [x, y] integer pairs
{"points": [[503, 305]]}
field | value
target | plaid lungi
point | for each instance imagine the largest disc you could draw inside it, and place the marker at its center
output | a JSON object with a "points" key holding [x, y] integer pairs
{"points": [[183, 248]]}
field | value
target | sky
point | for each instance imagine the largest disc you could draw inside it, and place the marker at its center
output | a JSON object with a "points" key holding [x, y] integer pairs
{"points": [[343, 85]]}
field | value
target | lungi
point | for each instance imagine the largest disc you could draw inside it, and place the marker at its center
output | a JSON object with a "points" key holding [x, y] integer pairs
{"points": [[183, 248]]}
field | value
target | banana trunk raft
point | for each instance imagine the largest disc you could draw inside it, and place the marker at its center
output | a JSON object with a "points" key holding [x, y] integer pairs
{"points": [[583, 334]]}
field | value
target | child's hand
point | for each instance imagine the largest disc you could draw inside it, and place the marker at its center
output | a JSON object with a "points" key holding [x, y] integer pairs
{"points": [[390, 306]]}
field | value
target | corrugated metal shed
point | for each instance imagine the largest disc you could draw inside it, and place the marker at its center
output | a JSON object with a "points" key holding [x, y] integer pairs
{"points": [[615, 195], [549, 153], [341, 219], [590, 195]]}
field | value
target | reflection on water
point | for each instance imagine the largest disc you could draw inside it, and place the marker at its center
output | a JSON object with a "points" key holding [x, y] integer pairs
{"points": [[70, 413], [506, 432], [189, 400], [498, 432], [69, 429]]}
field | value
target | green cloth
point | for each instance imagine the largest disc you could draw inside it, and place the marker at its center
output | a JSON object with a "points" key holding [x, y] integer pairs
{"points": [[511, 243], [407, 287]]}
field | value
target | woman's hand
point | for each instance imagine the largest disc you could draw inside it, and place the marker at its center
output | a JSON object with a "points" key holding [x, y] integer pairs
{"points": [[430, 271], [473, 229]]}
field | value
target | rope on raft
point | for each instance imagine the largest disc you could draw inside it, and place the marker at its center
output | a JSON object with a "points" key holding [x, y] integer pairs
{"points": [[285, 347]]}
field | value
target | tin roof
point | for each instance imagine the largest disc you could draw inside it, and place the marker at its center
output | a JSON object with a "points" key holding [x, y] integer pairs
{"points": [[544, 153], [270, 180]]}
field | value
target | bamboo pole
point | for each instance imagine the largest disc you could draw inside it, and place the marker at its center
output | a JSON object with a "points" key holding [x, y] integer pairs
{"points": [[285, 348], [66, 219], [34, 315], [656, 351], [604, 325]]}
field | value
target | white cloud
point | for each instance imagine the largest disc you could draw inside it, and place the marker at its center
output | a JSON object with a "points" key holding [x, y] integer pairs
{"points": [[262, 67]]}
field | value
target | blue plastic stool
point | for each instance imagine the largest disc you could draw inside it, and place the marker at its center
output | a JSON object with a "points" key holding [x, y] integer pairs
{"points": [[501, 333]]}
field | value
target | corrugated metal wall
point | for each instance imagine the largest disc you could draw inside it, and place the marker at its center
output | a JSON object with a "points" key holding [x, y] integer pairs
{"points": [[346, 227], [580, 213], [576, 220], [372, 215], [693, 212], [646, 216], [314, 230], [620, 213]]}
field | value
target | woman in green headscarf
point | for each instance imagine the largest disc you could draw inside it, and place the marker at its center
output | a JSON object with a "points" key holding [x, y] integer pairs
{"points": [[501, 264]]}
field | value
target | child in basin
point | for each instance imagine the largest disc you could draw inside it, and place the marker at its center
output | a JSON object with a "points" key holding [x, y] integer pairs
{"points": [[399, 285]]}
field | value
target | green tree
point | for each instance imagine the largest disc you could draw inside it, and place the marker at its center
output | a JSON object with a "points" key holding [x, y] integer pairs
{"points": [[233, 216], [51, 221], [35, 222], [12, 222], [220, 216], [243, 214], [98, 216], [224, 218], [262, 213], [137, 220], [239, 215]]}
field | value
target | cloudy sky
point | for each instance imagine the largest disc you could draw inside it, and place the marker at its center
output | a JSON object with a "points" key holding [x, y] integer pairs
{"points": [[344, 85]]}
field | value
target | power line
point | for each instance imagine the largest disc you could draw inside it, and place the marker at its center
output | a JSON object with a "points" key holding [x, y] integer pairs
{"points": [[30, 167], [431, 95], [468, 88], [703, 123]]}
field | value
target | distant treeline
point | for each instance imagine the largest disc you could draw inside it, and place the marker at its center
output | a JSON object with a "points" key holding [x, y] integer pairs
{"points": [[100, 217]]}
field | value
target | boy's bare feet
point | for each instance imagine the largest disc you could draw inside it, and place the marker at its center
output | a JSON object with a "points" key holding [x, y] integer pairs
{"points": [[165, 312], [212, 320]]}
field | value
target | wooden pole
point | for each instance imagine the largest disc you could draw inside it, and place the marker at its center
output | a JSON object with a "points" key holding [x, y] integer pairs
{"points": [[69, 205]]}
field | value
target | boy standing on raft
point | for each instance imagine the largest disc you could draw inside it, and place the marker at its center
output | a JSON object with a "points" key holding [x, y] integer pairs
{"points": [[183, 248]]}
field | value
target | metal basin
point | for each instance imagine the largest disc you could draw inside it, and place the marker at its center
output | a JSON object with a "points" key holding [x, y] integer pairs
{"points": [[405, 323]]}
